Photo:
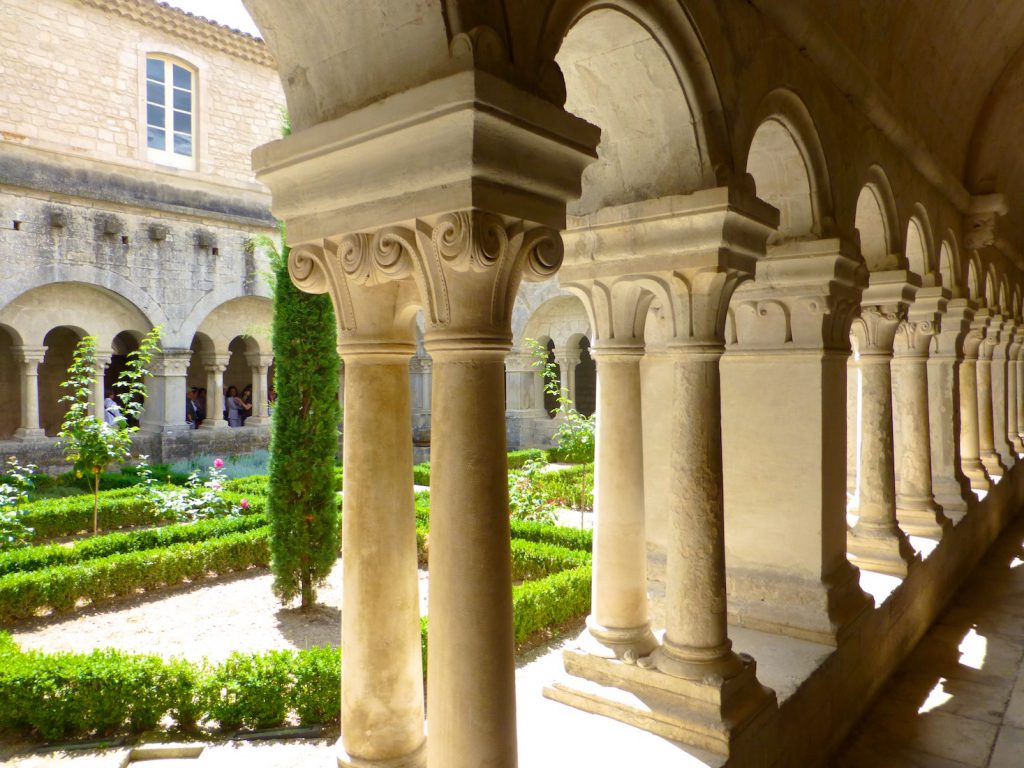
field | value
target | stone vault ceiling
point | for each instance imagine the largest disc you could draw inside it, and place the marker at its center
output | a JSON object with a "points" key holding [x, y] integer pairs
{"points": [[954, 72]]}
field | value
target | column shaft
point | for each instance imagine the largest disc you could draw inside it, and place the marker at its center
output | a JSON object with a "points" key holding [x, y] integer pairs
{"points": [[471, 683], [986, 436], [876, 542], [1019, 404], [916, 510], [214, 398], [970, 455], [99, 388], [852, 429], [696, 640], [382, 676], [1012, 384], [29, 428], [619, 613]]}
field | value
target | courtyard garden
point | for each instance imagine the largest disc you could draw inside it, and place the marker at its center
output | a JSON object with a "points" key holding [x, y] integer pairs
{"points": [[71, 600]]}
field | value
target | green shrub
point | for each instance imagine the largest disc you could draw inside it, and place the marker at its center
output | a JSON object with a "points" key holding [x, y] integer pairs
{"points": [[51, 518], [250, 690], [532, 560], [60, 587], [570, 538], [517, 459], [316, 694], [545, 603], [566, 486], [421, 473], [35, 558]]}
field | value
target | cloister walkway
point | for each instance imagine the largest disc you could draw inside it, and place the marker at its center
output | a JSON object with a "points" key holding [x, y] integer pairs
{"points": [[958, 699]]}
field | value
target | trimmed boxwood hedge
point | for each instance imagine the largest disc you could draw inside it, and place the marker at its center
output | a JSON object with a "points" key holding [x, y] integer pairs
{"points": [[65, 695], [60, 587], [46, 556], [51, 518]]}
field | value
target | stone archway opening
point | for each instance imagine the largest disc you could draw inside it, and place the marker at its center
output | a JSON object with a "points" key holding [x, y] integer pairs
{"points": [[781, 177], [60, 345], [585, 380], [10, 384], [123, 345]]}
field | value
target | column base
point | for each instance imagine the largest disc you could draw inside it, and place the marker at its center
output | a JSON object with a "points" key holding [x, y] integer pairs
{"points": [[25, 434], [822, 611], [209, 424], [258, 421], [922, 517], [992, 463], [722, 716], [953, 497], [417, 759], [977, 476], [880, 550], [625, 642]]}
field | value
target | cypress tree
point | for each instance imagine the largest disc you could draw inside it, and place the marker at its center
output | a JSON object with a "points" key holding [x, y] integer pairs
{"points": [[302, 506]]}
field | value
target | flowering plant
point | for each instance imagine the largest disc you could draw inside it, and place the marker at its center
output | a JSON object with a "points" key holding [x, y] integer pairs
{"points": [[13, 494], [526, 500], [197, 500]]}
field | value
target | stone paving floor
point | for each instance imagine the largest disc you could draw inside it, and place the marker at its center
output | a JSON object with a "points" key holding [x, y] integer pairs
{"points": [[958, 699]]}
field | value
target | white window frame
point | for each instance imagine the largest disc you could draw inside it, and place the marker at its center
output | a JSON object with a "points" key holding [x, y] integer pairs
{"points": [[167, 156]]}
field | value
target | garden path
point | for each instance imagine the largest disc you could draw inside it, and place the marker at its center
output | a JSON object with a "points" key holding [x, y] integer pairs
{"points": [[211, 619]]}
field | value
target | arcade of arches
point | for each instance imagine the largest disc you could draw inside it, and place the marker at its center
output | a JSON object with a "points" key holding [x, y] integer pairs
{"points": [[795, 230]]}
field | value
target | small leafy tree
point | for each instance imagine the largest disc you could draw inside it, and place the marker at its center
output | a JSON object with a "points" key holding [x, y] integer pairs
{"points": [[526, 498], [301, 502], [13, 495], [88, 442], [575, 435]]}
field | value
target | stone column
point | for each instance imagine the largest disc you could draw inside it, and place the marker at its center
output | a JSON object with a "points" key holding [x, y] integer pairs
{"points": [[986, 419], [916, 509], [165, 392], [970, 449], [421, 377], [567, 359], [260, 365], [1012, 396], [950, 486], [876, 542], [784, 468], [695, 672], [852, 420], [98, 384], [619, 618], [382, 677], [1020, 394], [466, 264], [1001, 366], [29, 358], [215, 367], [521, 406]]}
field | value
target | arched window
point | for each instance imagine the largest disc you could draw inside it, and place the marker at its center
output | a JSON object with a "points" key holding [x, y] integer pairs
{"points": [[170, 112]]}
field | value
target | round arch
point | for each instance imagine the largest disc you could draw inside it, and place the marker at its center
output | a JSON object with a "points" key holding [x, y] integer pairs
{"points": [[560, 319], [973, 281], [90, 309], [787, 162], [948, 264], [249, 317], [639, 72], [875, 221], [918, 244]]}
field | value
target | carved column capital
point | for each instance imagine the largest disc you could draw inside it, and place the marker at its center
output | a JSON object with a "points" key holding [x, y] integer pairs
{"points": [[29, 356], [884, 306], [804, 296], [171, 362]]}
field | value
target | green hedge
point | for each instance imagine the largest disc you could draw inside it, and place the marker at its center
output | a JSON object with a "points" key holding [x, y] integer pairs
{"points": [[562, 486], [61, 586], [570, 538], [421, 473], [517, 459], [46, 556], [51, 518], [105, 692], [548, 602], [532, 560]]}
